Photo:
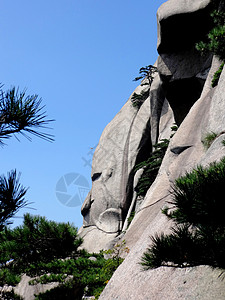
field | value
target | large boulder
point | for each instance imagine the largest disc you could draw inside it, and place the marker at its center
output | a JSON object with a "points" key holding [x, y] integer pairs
{"points": [[28, 291], [104, 208], [125, 142], [179, 64], [185, 152], [182, 23], [182, 88]]}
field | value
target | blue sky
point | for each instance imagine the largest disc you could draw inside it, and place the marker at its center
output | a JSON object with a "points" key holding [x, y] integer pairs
{"points": [[80, 57]]}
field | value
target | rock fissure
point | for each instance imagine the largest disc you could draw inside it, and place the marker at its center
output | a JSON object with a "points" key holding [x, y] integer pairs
{"points": [[179, 149], [152, 204], [124, 180]]}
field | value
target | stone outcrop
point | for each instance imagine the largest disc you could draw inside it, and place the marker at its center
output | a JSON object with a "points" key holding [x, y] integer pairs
{"points": [[181, 92], [181, 24], [28, 291], [125, 138], [124, 143], [166, 283]]}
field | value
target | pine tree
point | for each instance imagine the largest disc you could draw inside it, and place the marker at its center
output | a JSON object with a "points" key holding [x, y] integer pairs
{"points": [[19, 114], [48, 252], [197, 209], [148, 74]]}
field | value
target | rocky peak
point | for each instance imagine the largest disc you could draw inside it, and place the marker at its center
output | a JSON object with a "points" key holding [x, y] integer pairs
{"points": [[181, 92]]}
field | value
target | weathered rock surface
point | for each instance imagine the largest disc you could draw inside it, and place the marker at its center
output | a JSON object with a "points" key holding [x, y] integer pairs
{"points": [[28, 292], [123, 143], [129, 282], [181, 24], [181, 91]]}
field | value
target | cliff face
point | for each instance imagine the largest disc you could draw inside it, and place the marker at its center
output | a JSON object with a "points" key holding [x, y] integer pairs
{"points": [[181, 92]]}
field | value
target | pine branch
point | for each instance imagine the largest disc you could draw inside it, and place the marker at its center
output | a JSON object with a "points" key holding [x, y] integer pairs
{"points": [[22, 114]]}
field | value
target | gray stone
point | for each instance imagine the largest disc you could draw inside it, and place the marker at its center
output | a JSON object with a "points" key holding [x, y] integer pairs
{"points": [[27, 291], [183, 88], [125, 141], [179, 64], [216, 115], [129, 282], [110, 220], [181, 25], [179, 149], [184, 64], [115, 156]]}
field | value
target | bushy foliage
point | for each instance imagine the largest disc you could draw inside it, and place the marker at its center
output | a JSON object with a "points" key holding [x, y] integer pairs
{"points": [[216, 76], [76, 277], [209, 139], [151, 167], [114, 256], [48, 252], [130, 219], [11, 197], [38, 241], [21, 114], [138, 99], [86, 275], [215, 41], [198, 236]]}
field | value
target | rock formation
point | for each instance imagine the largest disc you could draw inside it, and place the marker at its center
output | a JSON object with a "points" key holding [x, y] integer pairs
{"points": [[181, 92]]}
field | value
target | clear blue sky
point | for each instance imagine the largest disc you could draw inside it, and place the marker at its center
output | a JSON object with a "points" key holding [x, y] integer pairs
{"points": [[80, 57]]}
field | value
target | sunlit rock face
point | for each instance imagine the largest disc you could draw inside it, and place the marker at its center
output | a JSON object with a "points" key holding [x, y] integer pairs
{"points": [[185, 152], [185, 81], [125, 142], [181, 92], [129, 138]]}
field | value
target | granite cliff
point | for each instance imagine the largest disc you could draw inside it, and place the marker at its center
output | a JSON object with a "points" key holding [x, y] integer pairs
{"points": [[180, 93]]}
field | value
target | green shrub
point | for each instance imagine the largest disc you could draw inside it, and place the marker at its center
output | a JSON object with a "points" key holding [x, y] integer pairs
{"points": [[215, 41], [138, 99], [198, 236], [130, 219], [48, 252], [209, 139], [216, 76], [151, 167]]}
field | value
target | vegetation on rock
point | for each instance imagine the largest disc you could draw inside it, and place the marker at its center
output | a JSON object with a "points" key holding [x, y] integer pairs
{"points": [[145, 73], [215, 40], [48, 252], [216, 76], [151, 167], [19, 114], [209, 139], [138, 99], [197, 209]]}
